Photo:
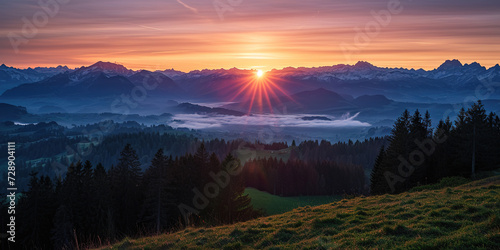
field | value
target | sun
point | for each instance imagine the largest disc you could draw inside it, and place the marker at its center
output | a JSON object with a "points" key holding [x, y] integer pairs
{"points": [[259, 91]]}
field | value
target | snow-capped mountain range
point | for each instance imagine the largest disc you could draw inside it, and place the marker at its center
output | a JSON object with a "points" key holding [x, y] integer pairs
{"points": [[449, 82]]}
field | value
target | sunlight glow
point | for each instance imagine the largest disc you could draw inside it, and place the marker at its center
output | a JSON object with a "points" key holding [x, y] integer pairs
{"points": [[260, 92]]}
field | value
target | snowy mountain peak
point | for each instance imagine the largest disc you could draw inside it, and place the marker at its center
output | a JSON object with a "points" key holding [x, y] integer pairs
{"points": [[171, 73], [450, 65], [108, 68], [363, 65], [474, 67]]}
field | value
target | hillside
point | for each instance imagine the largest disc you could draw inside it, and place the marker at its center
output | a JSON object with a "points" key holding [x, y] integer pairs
{"points": [[11, 112], [465, 217], [274, 204]]}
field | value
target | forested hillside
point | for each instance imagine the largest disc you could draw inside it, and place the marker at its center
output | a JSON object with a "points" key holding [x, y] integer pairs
{"points": [[417, 154]]}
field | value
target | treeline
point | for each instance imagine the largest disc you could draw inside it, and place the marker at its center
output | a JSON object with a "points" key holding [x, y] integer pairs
{"points": [[417, 154], [298, 178], [92, 206], [357, 153], [30, 132], [52, 156], [264, 146]]}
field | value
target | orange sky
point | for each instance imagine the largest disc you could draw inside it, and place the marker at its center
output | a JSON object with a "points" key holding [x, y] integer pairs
{"points": [[188, 34]]}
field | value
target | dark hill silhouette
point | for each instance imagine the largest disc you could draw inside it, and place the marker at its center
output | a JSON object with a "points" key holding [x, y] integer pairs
{"points": [[198, 109], [10, 112]]}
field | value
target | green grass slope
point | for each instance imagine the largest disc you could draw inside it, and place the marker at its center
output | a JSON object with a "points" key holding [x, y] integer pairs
{"points": [[462, 217], [273, 204]]}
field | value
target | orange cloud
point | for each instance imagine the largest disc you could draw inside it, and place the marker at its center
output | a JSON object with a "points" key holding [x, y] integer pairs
{"points": [[261, 34]]}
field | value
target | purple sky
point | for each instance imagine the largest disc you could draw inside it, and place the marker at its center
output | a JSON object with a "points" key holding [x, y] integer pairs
{"points": [[189, 34]]}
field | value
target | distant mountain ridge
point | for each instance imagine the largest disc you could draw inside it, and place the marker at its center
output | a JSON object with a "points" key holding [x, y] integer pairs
{"points": [[313, 101], [452, 81], [11, 77], [198, 109], [108, 68], [102, 79], [448, 65], [11, 112]]}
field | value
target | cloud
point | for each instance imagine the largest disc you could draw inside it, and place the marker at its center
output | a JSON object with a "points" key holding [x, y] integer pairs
{"points": [[188, 7], [274, 34], [197, 121]]}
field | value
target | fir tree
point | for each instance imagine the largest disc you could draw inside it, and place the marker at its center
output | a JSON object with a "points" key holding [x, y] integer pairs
{"points": [[377, 180], [398, 149], [232, 205], [158, 198], [125, 191]]}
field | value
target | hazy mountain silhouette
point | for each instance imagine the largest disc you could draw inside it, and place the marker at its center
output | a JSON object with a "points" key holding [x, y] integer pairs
{"points": [[308, 89], [198, 109], [372, 100], [158, 84], [10, 112]]}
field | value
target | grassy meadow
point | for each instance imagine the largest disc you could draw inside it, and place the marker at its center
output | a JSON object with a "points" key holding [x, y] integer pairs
{"points": [[466, 216], [273, 204]]}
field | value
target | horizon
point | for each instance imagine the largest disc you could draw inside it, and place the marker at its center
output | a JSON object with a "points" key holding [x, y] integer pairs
{"points": [[250, 69], [192, 35]]}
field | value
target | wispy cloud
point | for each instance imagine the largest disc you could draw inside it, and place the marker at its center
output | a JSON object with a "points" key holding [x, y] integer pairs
{"points": [[148, 27], [274, 34], [188, 7], [197, 121]]}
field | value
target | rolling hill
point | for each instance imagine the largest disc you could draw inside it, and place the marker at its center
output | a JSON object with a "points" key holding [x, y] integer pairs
{"points": [[462, 217], [11, 112], [273, 204]]}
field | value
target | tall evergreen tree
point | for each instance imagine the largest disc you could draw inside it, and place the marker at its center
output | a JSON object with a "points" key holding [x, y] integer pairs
{"points": [[399, 147], [37, 207], [126, 191], [100, 189], [428, 123], [232, 205], [476, 120], [377, 179], [201, 166], [420, 131], [158, 196]]}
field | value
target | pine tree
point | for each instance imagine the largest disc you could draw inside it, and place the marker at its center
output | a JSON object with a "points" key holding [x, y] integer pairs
{"points": [[62, 232], [125, 191], [399, 147], [201, 170], [88, 209], [417, 127], [441, 160], [377, 180], [103, 224], [209, 215], [476, 120], [38, 206], [232, 205], [428, 123], [419, 132], [157, 199]]}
